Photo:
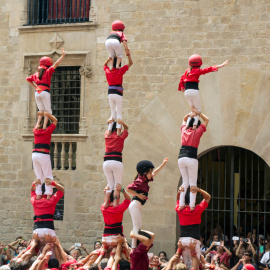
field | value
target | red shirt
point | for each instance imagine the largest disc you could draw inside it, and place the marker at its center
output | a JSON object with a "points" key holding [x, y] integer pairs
{"points": [[187, 217], [115, 76], [120, 34], [46, 78], [114, 143], [191, 137], [112, 215], [139, 258], [141, 183], [224, 257], [193, 75], [43, 136], [44, 206]]}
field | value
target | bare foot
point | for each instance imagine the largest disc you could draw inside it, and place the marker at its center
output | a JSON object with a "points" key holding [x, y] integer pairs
{"points": [[106, 204], [132, 234], [192, 208], [181, 207], [44, 127], [109, 133], [194, 127], [49, 196], [38, 197]]}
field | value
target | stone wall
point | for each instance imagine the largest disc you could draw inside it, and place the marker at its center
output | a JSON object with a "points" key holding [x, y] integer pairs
{"points": [[161, 36]]}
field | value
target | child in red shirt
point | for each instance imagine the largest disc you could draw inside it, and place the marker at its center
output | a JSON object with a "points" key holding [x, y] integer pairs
{"points": [[41, 81], [113, 43], [189, 82]]}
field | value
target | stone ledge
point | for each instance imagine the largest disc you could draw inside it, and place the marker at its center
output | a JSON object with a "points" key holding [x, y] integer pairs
{"points": [[60, 137], [58, 27]]}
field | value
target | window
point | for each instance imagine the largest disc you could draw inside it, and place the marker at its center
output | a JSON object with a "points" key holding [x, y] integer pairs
{"points": [[57, 11], [59, 209], [65, 98]]}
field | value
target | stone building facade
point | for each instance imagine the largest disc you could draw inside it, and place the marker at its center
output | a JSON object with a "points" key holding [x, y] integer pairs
{"points": [[161, 34]]}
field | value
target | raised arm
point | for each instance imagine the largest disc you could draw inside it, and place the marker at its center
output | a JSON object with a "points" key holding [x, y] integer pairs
{"points": [[203, 116], [156, 171], [185, 119], [121, 122], [143, 239], [52, 118], [12, 244], [227, 251], [223, 64], [207, 196], [57, 63], [130, 62], [107, 61], [120, 188]]}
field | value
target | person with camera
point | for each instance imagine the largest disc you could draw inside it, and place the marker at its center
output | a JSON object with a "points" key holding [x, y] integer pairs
{"points": [[246, 260], [221, 255], [245, 244], [265, 260]]}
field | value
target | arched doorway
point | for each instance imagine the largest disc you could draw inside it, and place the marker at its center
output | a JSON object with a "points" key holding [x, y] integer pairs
{"points": [[238, 181]]}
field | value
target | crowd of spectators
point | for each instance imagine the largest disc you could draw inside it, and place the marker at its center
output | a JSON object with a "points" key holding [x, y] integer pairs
{"points": [[215, 254]]}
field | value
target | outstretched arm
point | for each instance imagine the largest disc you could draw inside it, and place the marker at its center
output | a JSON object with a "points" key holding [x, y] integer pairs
{"points": [[156, 171], [57, 63], [223, 64]]}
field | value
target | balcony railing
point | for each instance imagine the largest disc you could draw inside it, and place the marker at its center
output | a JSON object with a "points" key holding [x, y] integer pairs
{"points": [[41, 12]]}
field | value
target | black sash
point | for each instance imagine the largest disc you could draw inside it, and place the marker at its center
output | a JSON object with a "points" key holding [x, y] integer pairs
{"points": [[42, 145], [192, 85], [190, 231], [188, 151], [114, 36], [138, 199]]}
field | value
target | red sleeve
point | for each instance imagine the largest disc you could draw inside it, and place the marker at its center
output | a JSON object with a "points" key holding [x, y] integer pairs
{"points": [[177, 206], [124, 69], [124, 134], [57, 196], [33, 194], [50, 70], [123, 38], [124, 205], [30, 78], [200, 130], [105, 68], [207, 70], [183, 127], [202, 206], [133, 186], [182, 83], [50, 129]]}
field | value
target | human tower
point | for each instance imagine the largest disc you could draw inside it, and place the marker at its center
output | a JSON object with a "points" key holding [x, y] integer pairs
{"points": [[192, 129]]}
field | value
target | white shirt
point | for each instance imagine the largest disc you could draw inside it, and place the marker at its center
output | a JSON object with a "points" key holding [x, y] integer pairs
{"points": [[265, 257]]}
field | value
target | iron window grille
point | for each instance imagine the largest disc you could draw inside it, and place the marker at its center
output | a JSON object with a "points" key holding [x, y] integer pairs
{"points": [[59, 209], [236, 179], [65, 98], [57, 11]]}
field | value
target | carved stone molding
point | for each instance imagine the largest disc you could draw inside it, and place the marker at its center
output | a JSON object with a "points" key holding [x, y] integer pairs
{"points": [[86, 70], [56, 41]]}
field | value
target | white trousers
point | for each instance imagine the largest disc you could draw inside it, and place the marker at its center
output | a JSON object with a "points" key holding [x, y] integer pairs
{"points": [[189, 171], [136, 216], [44, 231], [186, 252], [113, 171], [113, 47], [43, 169], [43, 101], [116, 108], [193, 97]]}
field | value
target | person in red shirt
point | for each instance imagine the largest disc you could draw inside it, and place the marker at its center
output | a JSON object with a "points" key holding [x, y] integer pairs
{"points": [[139, 189], [138, 256], [187, 159], [189, 82], [113, 217], [44, 210], [41, 155], [113, 43], [115, 91], [41, 81], [190, 226], [112, 165]]}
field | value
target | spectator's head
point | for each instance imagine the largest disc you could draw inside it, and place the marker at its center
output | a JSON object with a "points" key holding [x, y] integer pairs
{"points": [[75, 253], [180, 266], [215, 238], [162, 254], [124, 265], [190, 124], [103, 263], [247, 255], [13, 265], [261, 239], [94, 266], [249, 235], [155, 261], [32, 260], [97, 245], [20, 249], [164, 260], [53, 263], [24, 265]]}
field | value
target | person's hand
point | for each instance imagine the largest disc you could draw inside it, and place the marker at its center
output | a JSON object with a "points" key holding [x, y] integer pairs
{"points": [[63, 51], [40, 113], [241, 243], [192, 245], [183, 89], [212, 244], [119, 121], [241, 261], [48, 254], [119, 239], [141, 196], [132, 234], [222, 243], [181, 189], [110, 120], [165, 161], [194, 110], [225, 63], [175, 258], [249, 242], [118, 187], [57, 242], [194, 189], [179, 244], [36, 183], [127, 52], [46, 248], [48, 181], [106, 188]]}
